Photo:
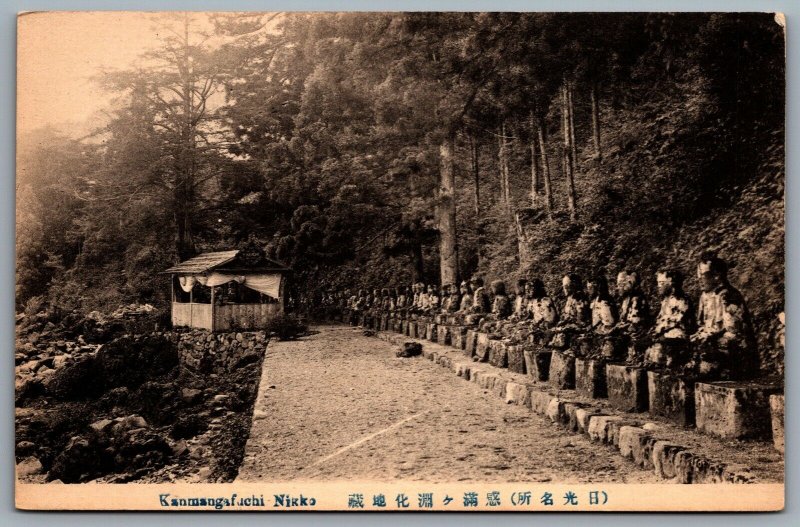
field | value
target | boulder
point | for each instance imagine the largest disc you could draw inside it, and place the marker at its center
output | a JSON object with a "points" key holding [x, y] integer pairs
{"points": [[410, 349], [29, 466]]}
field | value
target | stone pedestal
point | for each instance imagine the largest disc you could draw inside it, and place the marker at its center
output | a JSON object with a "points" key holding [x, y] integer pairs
{"points": [[482, 347], [443, 335], [498, 355], [458, 337], [627, 387], [590, 378], [735, 410], [430, 331], [671, 396], [562, 371], [471, 343], [516, 359], [776, 406], [537, 364]]}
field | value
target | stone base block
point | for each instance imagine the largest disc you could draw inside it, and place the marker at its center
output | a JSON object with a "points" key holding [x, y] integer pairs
{"points": [[462, 369], [443, 335], [600, 427], [517, 393], [627, 387], [562, 371], [516, 359], [671, 396], [590, 378], [471, 343], [582, 417], [430, 331], [498, 354], [734, 410], [776, 406], [636, 444], [540, 401], [482, 347], [458, 337], [537, 364]]}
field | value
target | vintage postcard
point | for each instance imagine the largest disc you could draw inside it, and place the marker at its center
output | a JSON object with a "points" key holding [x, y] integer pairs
{"points": [[400, 261]]}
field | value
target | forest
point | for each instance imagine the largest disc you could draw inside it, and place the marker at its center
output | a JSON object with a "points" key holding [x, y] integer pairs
{"points": [[377, 149]]}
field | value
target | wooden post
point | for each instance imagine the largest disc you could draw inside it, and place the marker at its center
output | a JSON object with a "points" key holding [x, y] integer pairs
{"points": [[191, 308], [172, 299], [212, 309]]}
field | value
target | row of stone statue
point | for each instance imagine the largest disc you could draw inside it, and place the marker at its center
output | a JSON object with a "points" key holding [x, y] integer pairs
{"points": [[713, 341]]}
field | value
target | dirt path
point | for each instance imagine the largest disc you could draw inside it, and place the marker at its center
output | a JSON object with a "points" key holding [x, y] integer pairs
{"points": [[339, 405]]}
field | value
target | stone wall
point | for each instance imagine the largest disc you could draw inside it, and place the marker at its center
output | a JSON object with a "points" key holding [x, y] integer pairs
{"points": [[204, 352]]}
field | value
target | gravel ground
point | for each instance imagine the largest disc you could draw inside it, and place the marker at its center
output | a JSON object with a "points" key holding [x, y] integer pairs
{"points": [[339, 405]]}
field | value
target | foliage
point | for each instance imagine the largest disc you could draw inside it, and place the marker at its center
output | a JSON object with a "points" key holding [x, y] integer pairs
{"points": [[319, 135]]}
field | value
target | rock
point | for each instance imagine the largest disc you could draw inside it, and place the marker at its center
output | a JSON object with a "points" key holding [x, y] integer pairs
{"points": [[562, 371], [24, 448], [410, 349], [190, 395], [627, 387], [776, 405], [101, 427], [590, 378], [132, 421], [540, 401], [735, 410], [29, 467]]}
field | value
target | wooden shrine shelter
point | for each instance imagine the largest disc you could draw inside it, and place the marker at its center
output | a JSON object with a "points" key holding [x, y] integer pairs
{"points": [[227, 290]]}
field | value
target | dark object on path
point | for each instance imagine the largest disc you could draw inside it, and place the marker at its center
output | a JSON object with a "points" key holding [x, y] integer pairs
{"points": [[286, 327], [410, 349], [369, 333]]}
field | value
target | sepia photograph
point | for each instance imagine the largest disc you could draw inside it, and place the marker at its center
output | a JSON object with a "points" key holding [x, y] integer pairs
{"points": [[400, 261]]}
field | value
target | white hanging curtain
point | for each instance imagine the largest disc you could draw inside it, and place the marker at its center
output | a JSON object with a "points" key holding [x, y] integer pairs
{"points": [[187, 282], [269, 284]]}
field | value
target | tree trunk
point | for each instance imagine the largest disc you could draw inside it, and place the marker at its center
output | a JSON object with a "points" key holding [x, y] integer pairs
{"points": [[418, 270], [596, 123], [572, 144], [475, 153], [504, 176], [446, 204], [534, 164], [567, 154], [548, 194]]}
